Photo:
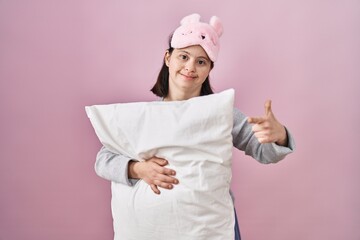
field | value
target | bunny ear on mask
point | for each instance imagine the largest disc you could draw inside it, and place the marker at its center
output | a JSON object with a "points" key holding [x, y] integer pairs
{"points": [[193, 18], [217, 25]]}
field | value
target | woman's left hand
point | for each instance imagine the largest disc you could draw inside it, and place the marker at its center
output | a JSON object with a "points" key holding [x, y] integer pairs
{"points": [[267, 129]]}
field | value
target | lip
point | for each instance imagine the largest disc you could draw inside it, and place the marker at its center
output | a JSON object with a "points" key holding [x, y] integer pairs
{"points": [[188, 77]]}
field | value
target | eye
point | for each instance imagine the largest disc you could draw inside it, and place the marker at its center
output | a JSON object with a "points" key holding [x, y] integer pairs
{"points": [[183, 57], [202, 62]]}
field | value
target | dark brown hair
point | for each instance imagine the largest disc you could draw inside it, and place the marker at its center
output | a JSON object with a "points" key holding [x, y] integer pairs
{"points": [[161, 87]]}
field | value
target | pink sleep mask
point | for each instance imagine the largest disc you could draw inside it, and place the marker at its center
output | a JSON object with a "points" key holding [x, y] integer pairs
{"points": [[193, 32]]}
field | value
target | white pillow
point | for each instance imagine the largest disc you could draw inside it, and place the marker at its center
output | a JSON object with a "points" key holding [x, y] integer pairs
{"points": [[195, 137]]}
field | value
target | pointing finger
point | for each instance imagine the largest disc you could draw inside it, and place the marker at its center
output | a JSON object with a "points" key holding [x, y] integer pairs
{"points": [[268, 107]]}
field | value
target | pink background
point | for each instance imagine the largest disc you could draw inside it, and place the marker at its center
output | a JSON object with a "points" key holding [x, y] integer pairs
{"points": [[58, 56]]}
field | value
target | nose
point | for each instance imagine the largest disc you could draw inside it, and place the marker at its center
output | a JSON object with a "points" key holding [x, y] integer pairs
{"points": [[190, 66]]}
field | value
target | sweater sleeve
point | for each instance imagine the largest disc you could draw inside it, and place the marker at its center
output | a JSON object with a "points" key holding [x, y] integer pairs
{"points": [[245, 140], [113, 167]]}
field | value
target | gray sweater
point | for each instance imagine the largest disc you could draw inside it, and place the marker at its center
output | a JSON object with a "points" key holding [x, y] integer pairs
{"points": [[114, 167]]}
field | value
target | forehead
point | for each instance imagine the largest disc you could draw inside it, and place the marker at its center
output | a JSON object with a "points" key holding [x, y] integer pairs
{"points": [[194, 51]]}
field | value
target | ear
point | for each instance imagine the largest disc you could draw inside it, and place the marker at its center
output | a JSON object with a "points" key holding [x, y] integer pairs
{"points": [[167, 58]]}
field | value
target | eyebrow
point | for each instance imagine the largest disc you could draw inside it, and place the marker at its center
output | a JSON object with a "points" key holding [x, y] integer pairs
{"points": [[197, 57]]}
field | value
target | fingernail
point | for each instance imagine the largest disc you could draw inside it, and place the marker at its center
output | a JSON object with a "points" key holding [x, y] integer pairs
{"points": [[176, 181], [173, 173], [170, 186]]}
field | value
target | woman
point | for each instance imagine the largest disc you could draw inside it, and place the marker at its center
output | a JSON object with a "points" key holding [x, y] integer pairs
{"points": [[193, 49]]}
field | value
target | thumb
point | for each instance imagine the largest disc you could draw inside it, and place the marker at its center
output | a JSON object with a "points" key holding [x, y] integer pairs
{"points": [[268, 110], [256, 120]]}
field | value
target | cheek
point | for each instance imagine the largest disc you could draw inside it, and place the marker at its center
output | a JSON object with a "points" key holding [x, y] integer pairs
{"points": [[175, 66], [205, 73], [171, 68]]}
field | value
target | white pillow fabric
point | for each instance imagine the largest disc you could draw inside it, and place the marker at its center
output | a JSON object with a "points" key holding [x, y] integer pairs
{"points": [[195, 137]]}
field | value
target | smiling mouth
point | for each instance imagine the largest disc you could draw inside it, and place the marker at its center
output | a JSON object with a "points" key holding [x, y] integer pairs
{"points": [[188, 77]]}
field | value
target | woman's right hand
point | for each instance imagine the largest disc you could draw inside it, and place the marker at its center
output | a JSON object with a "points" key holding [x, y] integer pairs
{"points": [[153, 172]]}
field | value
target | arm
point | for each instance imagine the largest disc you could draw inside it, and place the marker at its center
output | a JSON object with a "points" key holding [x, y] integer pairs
{"points": [[245, 139], [113, 167], [122, 169]]}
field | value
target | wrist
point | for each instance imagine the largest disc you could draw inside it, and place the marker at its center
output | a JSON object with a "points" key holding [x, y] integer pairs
{"points": [[133, 169], [283, 141]]}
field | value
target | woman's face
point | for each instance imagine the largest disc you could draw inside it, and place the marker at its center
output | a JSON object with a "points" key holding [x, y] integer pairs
{"points": [[188, 69]]}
